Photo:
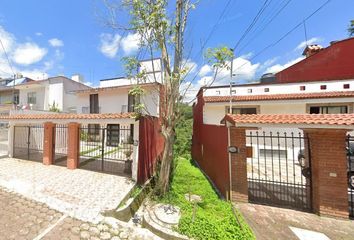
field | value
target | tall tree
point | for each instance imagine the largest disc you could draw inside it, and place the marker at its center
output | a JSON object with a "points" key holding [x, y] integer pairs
{"points": [[351, 28], [160, 26]]}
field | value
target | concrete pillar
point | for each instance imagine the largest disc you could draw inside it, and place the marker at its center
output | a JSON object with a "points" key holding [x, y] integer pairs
{"points": [[73, 145], [48, 143], [329, 171], [239, 185], [10, 141]]}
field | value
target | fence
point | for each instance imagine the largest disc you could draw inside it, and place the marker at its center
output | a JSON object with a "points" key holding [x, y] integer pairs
{"points": [[107, 149], [28, 142], [350, 158], [60, 145], [278, 169]]}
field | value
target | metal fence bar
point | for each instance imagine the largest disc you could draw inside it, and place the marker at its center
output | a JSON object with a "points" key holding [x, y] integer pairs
{"points": [[28, 142], [275, 175], [350, 173]]}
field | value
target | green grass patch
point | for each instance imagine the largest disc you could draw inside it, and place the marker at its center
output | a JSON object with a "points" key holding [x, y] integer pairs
{"points": [[214, 218], [89, 150]]}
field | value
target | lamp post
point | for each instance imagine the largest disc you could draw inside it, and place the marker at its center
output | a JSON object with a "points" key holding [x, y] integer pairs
{"points": [[231, 75]]}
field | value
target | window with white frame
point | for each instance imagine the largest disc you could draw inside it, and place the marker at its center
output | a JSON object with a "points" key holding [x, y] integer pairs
{"points": [[31, 98]]}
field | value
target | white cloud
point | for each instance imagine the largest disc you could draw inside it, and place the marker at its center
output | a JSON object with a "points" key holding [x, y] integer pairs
{"points": [[189, 65], [278, 67], [205, 70], [55, 42], [39, 34], [28, 53], [109, 44], [303, 44], [23, 54], [7, 40], [130, 43]]}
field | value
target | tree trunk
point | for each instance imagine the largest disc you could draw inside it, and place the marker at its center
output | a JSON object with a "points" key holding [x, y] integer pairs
{"points": [[167, 159]]}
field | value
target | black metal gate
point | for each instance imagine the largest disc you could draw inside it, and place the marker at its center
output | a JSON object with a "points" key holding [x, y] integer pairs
{"points": [[109, 150], [28, 142], [60, 150], [278, 169], [350, 174]]}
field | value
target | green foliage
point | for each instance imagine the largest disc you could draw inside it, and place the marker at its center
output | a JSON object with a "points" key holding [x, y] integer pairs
{"points": [[351, 28], [220, 56], [131, 65], [182, 146], [54, 107], [214, 218]]}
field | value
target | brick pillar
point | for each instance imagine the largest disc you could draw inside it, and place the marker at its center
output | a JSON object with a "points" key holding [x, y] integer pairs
{"points": [[73, 145], [329, 171], [48, 143], [239, 189]]}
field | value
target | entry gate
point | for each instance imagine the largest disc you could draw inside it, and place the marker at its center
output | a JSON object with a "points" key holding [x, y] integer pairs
{"points": [[60, 150], [278, 169], [107, 149], [28, 142], [350, 174]]}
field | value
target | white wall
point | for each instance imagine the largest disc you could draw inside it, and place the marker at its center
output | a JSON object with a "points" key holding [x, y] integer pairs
{"points": [[112, 101], [281, 88], [55, 95], [40, 97]]}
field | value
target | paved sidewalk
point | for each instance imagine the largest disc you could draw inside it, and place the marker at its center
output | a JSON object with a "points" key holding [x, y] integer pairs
{"points": [[22, 218], [78, 193], [271, 223]]}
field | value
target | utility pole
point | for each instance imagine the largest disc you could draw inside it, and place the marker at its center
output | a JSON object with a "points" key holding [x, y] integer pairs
{"points": [[231, 74], [13, 93]]}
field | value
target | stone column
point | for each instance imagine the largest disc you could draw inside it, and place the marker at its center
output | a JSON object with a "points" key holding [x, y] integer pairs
{"points": [[10, 143], [48, 143], [73, 145], [239, 185], [329, 171]]}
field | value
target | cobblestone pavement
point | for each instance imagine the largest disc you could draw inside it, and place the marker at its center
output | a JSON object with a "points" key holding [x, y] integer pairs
{"points": [[269, 223], [78, 193], [22, 218]]}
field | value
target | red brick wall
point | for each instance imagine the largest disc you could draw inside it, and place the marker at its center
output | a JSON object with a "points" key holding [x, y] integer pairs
{"points": [[329, 171], [239, 165], [48, 143], [332, 63], [151, 144]]}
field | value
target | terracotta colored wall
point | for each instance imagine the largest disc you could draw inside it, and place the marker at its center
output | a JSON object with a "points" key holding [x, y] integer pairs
{"points": [[151, 145], [209, 148], [332, 63]]}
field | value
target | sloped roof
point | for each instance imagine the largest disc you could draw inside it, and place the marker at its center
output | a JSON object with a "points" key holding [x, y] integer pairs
{"points": [[301, 119]]}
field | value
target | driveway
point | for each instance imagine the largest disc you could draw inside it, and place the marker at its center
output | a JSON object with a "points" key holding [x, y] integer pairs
{"points": [[269, 223], [23, 218], [77, 193]]}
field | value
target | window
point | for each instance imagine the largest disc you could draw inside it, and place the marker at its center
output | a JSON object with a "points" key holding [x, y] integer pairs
{"points": [[233, 92], [242, 110], [93, 132], [328, 109], [249, 90], [302, 88], [31, 98], [266, 90], [16, 98], [218, 92], [323, 87], [346, 86], [94, 108], [132, 102]]}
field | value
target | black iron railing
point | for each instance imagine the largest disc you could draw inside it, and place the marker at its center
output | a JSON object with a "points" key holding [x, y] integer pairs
{"points": [[278, 169], [350, 174], [28, 142], [107, 149]]}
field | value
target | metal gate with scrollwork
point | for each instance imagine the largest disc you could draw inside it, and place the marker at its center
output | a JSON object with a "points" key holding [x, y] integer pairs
{"points": [[350, 174], [278, 169], [28, 142]]}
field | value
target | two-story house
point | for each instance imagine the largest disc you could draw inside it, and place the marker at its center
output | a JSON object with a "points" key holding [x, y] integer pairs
{"points": [[42, 95], [323, 82]]}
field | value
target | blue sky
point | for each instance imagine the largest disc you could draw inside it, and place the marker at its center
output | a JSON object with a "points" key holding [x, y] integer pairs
{"points": [[47, 38]]}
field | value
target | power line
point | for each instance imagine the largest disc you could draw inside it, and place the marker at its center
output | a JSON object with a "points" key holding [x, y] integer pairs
{"points": [[266, 25], [254, 21], [288, 33], [7, 57]]}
